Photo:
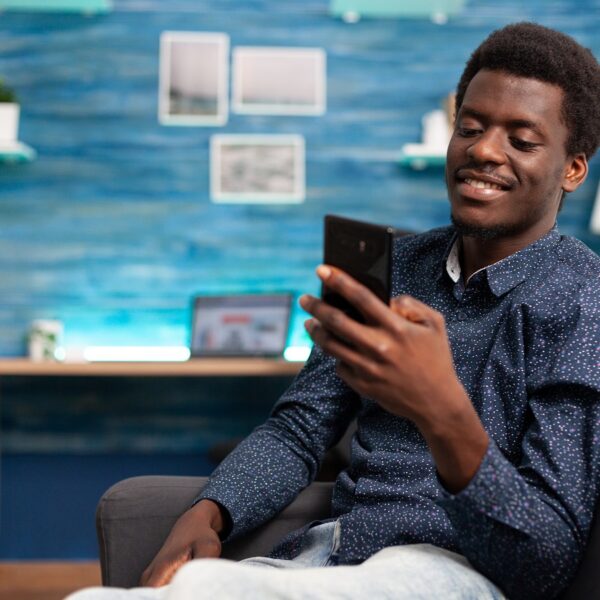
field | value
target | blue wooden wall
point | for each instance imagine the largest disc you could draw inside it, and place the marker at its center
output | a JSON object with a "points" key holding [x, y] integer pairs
{"points": [[112, 230]]}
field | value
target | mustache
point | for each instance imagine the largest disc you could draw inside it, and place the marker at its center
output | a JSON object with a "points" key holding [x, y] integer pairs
{"points": [[487, 169]]}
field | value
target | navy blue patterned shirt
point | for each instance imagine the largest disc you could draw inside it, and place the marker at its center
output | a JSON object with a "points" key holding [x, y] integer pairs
{"points": [[525, 337]]}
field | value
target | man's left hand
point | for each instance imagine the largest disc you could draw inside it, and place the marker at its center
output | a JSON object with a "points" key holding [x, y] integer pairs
{"points": [[401, 359]]}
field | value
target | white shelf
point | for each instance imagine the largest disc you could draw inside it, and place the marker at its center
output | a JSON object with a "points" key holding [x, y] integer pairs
{"points": [[421, 156], [82, 6], [353, 10], [16, 152], [431, 151]]}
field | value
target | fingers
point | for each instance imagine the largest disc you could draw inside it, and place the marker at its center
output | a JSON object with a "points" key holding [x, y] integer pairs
{"points": [[331, 344], [416, 311], [346, 331], [192, 536], [354, 368], [372, 308], [161, 570], [175, 553]]}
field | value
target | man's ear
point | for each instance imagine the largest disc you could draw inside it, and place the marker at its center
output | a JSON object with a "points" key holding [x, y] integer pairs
{"points": [[576, 171]]}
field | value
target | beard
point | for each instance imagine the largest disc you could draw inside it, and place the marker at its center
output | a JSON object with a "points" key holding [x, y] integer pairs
{"points": [[483, 233]]}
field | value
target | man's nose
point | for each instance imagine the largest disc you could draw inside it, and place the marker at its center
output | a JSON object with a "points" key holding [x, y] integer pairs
{"points": [[488, 148]]}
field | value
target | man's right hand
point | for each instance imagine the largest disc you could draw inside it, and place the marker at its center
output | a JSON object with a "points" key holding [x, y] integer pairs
{"points": [[194, 535]]}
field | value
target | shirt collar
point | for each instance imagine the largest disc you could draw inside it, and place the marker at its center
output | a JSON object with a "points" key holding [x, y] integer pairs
{"points": [[453, 261], [507, 273]]}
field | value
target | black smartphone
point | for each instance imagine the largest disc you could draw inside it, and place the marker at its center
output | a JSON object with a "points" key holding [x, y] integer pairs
{"points": [[364, 251]]}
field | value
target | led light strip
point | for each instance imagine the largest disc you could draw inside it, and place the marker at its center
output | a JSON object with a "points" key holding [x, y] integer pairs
{"points": [[162, 354], [136, 353]]}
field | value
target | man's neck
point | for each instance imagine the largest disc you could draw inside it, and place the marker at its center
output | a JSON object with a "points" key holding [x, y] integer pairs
{"points": [[477, 253]]}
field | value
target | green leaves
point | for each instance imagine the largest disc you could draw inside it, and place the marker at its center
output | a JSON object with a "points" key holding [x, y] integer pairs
{"points": [[6, 94]]}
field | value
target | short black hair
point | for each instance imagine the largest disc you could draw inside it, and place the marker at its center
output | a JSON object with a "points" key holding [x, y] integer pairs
{"points": [[537, 52]]}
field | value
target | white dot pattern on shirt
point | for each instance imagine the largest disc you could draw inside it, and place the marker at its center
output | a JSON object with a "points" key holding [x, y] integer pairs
{"points": [[525, 336]]}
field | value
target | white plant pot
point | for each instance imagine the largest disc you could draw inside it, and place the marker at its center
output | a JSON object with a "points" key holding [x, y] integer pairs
{"points": [[9, 122]]}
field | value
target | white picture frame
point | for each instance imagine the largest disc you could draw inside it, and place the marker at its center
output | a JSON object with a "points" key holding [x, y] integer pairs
{"points": [[279, 80], [193, 87], [257, 169]]}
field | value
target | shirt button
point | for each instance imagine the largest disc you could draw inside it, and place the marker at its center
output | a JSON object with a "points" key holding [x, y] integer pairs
{"points": [[461, 315]]}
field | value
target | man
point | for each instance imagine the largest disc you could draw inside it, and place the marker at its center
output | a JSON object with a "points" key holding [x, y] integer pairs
{"points": [[475, 467]]}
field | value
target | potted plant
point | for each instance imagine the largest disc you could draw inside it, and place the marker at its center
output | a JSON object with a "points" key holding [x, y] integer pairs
{"points": [[9, 115]]}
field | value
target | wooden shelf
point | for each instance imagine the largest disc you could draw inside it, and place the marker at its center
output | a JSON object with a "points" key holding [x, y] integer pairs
{"points": [[205, 367]]}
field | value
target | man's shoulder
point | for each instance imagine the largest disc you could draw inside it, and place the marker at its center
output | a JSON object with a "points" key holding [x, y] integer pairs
{"points": [[578, 259], [577, 267], [573, 280]]}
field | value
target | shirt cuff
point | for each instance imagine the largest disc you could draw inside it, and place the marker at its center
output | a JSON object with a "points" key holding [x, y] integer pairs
{"points": [[496, 491]]}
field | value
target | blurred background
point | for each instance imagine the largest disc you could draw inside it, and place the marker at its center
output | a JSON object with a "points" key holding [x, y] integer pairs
{"points": [[108, 225]]}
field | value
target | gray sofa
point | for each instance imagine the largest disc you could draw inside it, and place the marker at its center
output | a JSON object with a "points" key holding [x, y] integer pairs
{"points": [[135, 515]]}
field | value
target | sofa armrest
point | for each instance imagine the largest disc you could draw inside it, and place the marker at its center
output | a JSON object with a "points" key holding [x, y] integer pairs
{"points": [[135, 516]]}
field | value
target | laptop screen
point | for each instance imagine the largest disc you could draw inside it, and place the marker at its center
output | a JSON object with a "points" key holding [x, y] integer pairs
{"points": [[240, 325]]}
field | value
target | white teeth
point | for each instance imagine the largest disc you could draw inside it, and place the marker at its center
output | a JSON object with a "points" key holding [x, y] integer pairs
{"points": [[483, 185]]}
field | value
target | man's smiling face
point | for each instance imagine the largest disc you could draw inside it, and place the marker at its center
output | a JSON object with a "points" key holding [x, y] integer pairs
{"points": [[507, 164]]}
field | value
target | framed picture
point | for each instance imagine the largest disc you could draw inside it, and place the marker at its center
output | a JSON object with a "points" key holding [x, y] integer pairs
{"points": [[279, 81], [257, 168], [193, 79]]}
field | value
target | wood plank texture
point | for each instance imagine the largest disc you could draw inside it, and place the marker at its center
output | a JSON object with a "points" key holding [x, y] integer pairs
{"points": [[111, 229], [192, 368], [46, 580]]}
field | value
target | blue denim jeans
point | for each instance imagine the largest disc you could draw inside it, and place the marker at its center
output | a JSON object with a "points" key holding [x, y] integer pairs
{"points": [[414, 572], [319, 549]]}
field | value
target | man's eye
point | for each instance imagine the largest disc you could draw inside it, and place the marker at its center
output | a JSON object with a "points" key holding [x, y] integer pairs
{"points": [[466, 132], [520, 144]]}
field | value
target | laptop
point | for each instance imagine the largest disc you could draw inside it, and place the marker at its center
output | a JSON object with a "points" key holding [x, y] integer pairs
{"points": [[240, 325]]}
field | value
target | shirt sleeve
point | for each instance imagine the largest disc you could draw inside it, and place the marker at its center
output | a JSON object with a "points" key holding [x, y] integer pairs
{"points": [[525, 523], [281, 457]]}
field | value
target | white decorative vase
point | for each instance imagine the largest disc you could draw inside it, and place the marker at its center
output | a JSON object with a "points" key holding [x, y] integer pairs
{"points": [[435, 129], [9, 122], [45, 338]]}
